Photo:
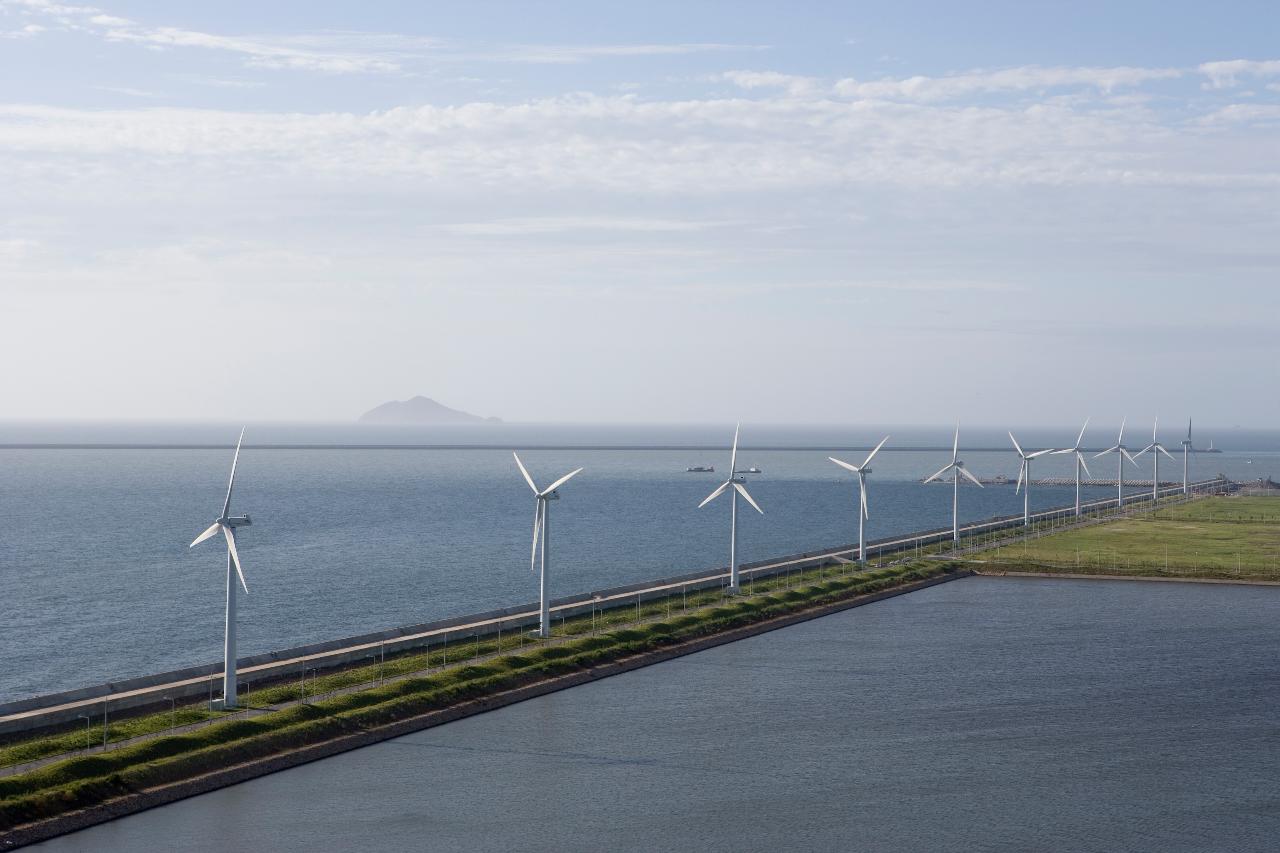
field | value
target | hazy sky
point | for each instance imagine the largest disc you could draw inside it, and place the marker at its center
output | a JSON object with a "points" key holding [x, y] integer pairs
{"points": [[641, 211]]}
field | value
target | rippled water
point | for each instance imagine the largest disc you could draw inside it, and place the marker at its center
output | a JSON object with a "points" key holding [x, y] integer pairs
{"points": [[982, 714], [99, 583]]}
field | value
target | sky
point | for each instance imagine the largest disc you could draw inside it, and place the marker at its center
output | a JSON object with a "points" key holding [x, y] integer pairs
{"points": [[816, 212]]}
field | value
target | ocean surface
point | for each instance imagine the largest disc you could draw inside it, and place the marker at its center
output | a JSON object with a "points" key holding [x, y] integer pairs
{"points": [[98, 582], [984, 714]]}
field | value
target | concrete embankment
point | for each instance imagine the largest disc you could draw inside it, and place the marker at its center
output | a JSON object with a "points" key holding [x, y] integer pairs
{"points": [[164, 794]]}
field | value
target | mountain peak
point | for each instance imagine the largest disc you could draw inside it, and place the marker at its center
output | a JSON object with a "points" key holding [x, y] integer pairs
{"points": [[420, 410]]}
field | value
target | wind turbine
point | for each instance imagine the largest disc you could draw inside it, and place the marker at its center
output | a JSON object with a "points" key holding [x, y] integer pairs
{"points": [[736, 482], [1186, 455], [1024, 477], [1080, 463], [862, 471], [958, 470], [227, 524], [1155, 448], [1121, 454], [541, 499]]}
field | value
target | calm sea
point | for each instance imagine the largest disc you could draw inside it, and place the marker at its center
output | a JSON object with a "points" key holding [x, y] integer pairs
{"points": [[984, 714], [98, 582]]}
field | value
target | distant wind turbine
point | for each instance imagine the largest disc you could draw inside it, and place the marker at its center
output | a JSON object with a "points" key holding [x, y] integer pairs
{"points": [[957, 469], [862, 471], [735, 482], [227, 524], [1186, 456], [541, 532], [1155, 448], [1080, 463], [1024, 477], [1121, 454]]}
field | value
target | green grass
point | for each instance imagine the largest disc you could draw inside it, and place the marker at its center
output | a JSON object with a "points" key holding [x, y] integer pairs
{"points": [[1216, 537], [89, 779]]}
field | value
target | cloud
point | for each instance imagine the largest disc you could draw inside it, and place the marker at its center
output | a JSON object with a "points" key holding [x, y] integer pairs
{"points": [[1223, 74], [789, 83], [626, 144], [342, 52], [1027, 78], [526, 226]]}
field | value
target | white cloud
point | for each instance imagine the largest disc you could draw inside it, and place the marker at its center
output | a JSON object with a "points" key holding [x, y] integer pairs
{"points": [[790, 83], [1223, 74], [536, 225], [1028, 78]]}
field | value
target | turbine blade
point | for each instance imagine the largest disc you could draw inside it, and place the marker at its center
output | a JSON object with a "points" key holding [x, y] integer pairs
{"points": [[211, 531], [1120, 440], [235, 555], [955, 445], [558, 483], [1063, 450], [1022, 470], [945, 469], [1039, 453], [1130, 458], [1080, 437], [733, 454], [537, 532], [871, 455], [524, 471], [742, 490], [1155, 428], [1105, 452], [975, 480], [717, 493], [862, 491], [1083, 464], [845, 465], [1016, 446], [1188, 429], [226, 504], [1160, 447]]}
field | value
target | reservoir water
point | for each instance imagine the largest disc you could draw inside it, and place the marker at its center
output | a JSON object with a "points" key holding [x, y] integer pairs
{"points": [[983, 714], [99, 583]]}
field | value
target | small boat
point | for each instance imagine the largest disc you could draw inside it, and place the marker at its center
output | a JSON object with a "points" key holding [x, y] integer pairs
{"points": [[701, 469], [752, 470]]}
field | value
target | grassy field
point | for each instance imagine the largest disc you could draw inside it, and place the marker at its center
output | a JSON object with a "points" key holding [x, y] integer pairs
{"points": [[1217, 537], [88, 779]]}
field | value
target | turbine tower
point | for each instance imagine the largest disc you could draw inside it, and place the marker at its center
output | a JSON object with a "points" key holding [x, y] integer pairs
{"points": [[1155, 448], [227, 524], [736, 482], [1121, 454], [1080, 463], [1024, 477], [862, 471], [1186, 455], [540, 532], [957, 469]]}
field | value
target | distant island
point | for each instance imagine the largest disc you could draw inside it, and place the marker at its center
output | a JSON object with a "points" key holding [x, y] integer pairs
{"points": [[420, 410]]}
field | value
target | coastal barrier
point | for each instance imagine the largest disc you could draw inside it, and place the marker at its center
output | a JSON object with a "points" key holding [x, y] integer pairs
{"points": [[193, 683]]}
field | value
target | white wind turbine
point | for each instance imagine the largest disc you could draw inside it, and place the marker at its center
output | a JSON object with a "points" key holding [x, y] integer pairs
{"points": [[227, 524], [862, 471], [736, 482], [1024, 477], [958, 470], [540, 532], [1080, 463], [1186, 456], [1121, 454], [1155, 448]]}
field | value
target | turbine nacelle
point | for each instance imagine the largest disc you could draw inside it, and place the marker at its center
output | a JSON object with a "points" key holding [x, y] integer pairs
{"points": [[235, 521]]}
